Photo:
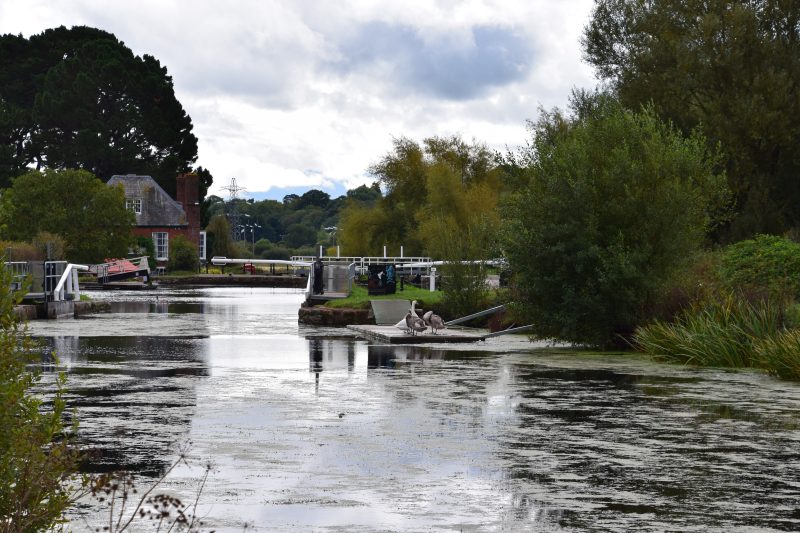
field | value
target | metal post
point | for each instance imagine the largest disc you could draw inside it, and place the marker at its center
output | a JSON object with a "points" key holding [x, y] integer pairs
{"points": [[433, 279], [320, 251], [384, 251], [337, 251], [76, 286], [401, 251], [330, 278]]}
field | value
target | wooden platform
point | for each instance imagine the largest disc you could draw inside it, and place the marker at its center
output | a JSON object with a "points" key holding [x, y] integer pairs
{"points": [[393, 335]]}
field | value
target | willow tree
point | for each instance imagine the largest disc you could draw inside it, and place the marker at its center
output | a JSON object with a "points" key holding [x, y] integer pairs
{"points": [[432, 189]]}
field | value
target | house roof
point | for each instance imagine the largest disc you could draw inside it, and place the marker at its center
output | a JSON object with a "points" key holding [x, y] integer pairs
{"points": [[158, 208]]}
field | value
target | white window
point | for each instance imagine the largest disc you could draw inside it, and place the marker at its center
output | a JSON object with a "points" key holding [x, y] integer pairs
{"points": [[202, 246], [161, 242], [134, 204]]}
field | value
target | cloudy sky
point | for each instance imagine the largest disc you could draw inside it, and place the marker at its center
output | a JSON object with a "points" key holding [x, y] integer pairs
{"points": [[287, 95]]}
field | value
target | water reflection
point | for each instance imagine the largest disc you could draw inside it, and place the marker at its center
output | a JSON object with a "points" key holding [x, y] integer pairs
{"points": [[314, 431], [135, 397], [393, 356], [331, 354]]}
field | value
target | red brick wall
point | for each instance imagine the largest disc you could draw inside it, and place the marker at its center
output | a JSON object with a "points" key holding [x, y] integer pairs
{"points": [[188, 195]]}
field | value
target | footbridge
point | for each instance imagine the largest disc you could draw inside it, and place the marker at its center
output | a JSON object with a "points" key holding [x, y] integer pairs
{"points": [[336, 282]]}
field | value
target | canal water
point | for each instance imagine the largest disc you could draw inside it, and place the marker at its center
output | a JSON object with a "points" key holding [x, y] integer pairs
{"points": [[311, 429]]}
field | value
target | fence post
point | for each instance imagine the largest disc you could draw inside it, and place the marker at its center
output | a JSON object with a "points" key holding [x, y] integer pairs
{"points": [[433, 279]]}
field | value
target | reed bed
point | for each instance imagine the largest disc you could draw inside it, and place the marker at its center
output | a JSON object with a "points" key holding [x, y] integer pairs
{"points": [[731, 332]]}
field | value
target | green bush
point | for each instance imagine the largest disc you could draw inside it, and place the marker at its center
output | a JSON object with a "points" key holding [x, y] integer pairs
{"points": [[617, 202], [276, 252], [261, 246], [765, 265], [145, 246], [183, 254]]}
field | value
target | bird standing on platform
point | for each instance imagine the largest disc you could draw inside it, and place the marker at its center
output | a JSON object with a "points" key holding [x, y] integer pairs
{"points": [[413, 322], [434, 321]]}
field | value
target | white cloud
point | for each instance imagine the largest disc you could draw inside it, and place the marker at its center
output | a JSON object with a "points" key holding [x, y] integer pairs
{"points": [[286, 93]]}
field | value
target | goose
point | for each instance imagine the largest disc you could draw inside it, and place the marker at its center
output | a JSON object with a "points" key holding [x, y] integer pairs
{"points": [[403, 325], [434, 321], [413, 321], [415, 324]]}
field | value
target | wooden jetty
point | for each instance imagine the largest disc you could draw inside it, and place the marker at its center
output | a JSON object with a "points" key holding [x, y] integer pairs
{"points": [[393, 335]]}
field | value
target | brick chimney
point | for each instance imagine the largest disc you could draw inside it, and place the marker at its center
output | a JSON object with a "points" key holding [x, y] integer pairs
{"points": [[188, 195]]}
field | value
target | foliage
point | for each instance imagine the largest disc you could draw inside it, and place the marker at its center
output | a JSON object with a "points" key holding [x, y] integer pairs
{"points": [[433, 190], [616, 202], [365, 195], [765, 264], [183, 254], [779, 354], [716, 333], [145, 246], [19, 251], [300, 235], [79, 98], [218, 235], [89, 216], [731, 68], [52, 247], [730, 332], [37, 459], [276, 252]]}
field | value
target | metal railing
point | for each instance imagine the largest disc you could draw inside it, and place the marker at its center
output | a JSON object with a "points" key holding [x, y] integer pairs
{"points": [[67, 287], [19, 271], [57, 280]]}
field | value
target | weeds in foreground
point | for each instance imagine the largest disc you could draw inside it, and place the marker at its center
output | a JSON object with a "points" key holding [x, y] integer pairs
{"points": [[126, 507]]}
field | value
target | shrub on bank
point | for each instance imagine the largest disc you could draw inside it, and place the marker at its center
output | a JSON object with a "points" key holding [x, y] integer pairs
{"points": [[766, 265], [182, 254], [617, 201]]}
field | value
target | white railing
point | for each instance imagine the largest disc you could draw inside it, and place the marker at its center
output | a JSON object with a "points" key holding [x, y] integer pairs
{"points": [[362, 263], [334, 278], [68, 287]]}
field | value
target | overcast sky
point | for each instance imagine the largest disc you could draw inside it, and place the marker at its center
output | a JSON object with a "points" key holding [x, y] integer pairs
{"points": [[291, 95]]}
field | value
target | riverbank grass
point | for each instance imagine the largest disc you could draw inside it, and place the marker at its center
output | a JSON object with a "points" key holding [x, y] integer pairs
{"points": [[729, 333], [359, 297]]}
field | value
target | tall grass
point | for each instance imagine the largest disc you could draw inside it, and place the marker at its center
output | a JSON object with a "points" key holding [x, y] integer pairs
{"points": [[725, 332], [780, 354]]}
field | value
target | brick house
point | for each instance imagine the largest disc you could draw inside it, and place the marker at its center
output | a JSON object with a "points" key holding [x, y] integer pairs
{"points": [[158, 216]]}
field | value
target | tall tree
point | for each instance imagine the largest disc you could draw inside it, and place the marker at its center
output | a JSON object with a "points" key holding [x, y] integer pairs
{"points": [[730, 67], [87, 213], [431, 191], [79, 98]]}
